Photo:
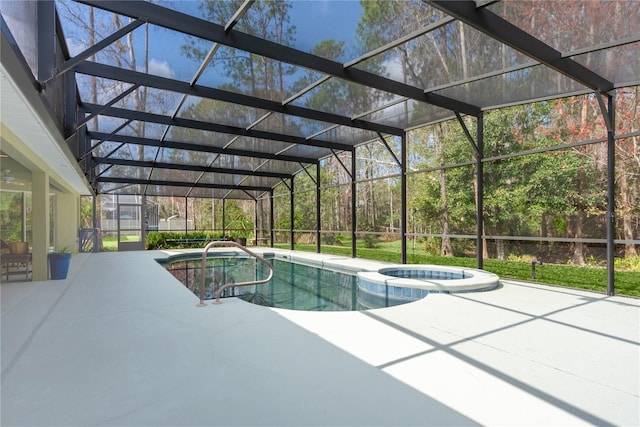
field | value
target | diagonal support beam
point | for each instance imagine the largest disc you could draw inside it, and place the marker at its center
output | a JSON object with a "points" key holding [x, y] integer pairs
{"points": [[468, 135], [347, 170], [386, 144], [197, 27], [286, 184], [605, 113], [484, 20], [105, 170], [308, 174], [250, 195]]}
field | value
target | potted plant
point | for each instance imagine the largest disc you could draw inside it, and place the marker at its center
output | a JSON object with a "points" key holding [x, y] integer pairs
{"points": [[59, 263]]}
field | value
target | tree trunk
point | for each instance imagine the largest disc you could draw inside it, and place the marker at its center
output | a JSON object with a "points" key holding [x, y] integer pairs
{"points": [[500, 249], [213, 214], [576, 223], [463, 52], [627, 228], [372, 210], [445, 249], [138, 98], [390, 207], [578, 248], [485, 249], [336, 212]]}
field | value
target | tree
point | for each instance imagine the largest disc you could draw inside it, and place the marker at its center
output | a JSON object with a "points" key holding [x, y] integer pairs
{"points": [[628, 166], [237, 222]]}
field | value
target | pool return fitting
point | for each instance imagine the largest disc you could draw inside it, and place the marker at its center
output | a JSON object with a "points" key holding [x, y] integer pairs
{"points": [[229, 285]]}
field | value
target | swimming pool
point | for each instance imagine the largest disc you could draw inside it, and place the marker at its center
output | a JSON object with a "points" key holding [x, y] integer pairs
{"points": [[294, 286], [322, 282]]}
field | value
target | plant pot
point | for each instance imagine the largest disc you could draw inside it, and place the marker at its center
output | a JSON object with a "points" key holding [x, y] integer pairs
{"points": [[59, 265], [19, 247]]}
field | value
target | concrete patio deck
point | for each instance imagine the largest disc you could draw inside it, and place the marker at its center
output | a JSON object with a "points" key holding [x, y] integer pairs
{"points": [[121, 343]]}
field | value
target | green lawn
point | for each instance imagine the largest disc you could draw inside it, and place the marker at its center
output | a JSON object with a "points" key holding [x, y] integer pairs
{"points": [[590, 278], [110, 243]]}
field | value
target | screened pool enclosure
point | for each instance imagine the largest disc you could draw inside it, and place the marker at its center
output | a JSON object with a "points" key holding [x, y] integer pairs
{"points": [[485, 129]]}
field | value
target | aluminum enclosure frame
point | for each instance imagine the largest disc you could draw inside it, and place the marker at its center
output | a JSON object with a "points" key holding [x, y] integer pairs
{"points": [[468, 12]]}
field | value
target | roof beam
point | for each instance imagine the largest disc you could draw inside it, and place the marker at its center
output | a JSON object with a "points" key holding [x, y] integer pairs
{"points": [[195, 168], [206, 30], [188, 146], [161, 183], [212, 127], [163, 83], [484, 20]]}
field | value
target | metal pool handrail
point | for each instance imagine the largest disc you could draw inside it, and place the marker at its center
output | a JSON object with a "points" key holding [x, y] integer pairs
{"points": [[229, 285]]}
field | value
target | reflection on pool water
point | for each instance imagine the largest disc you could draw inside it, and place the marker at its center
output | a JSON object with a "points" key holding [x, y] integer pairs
{"points": [[294, 286]]}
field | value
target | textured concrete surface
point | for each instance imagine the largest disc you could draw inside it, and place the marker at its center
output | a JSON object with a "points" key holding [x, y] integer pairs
{"points": [[121, 343]]}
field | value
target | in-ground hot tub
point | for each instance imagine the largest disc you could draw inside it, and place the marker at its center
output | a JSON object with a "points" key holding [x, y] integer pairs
{"points": [[411, 282]]}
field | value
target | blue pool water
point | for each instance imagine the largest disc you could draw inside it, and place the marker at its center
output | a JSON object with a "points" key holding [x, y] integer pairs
{"points": [[294, 286]]}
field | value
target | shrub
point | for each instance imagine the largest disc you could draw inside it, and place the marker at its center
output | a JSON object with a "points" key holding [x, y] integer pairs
{"points": [[329, 239], [432, 245], [520, 258], [628, 264], [371, 241], [170, 239]]}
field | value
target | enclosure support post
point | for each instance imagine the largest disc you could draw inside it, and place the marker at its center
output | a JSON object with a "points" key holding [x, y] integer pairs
{"points": [[478, 149], [95, 209], [318, 222], [255, 220], [271, 216], [353, 203], [292, 215], [23, 218], [403, 196], [480, 195], [224, 219], [611, 193], [186, 215], [144, 219]]}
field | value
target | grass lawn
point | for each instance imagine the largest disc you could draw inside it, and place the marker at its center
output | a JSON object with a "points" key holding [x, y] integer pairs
{"points": [[590, 278], [110, 243]]}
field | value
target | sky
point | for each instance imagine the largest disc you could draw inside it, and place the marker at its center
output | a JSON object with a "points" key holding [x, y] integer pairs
{"points": [[314, 21]]}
